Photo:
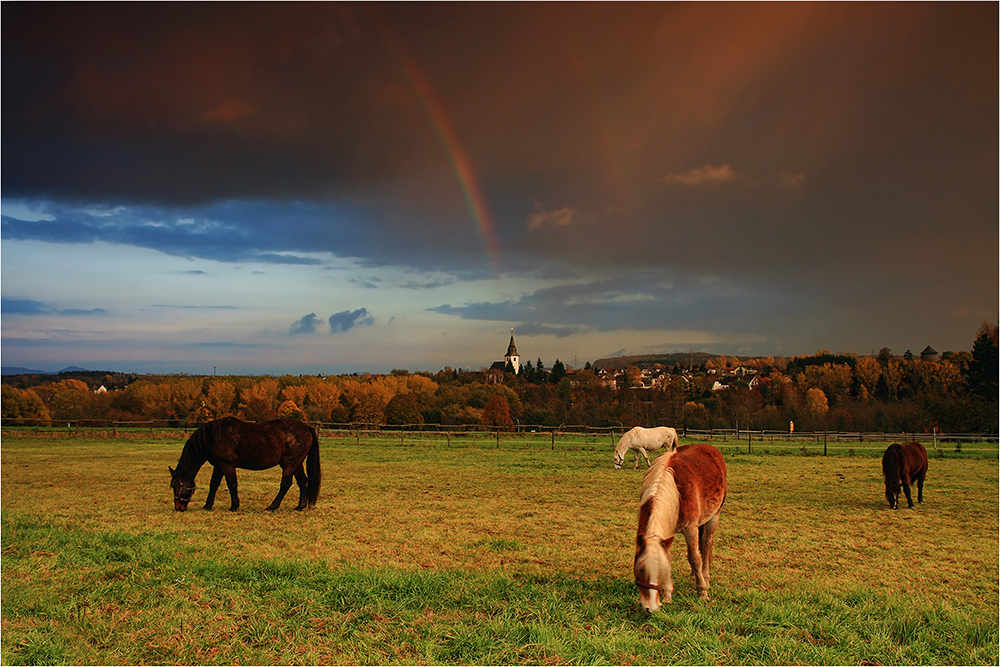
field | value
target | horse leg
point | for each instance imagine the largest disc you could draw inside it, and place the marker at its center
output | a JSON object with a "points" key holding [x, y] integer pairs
{"points": [[302, 481], [213, 486], [706, 536], [286, 483], [691, 537], [905, 479], [920, 486], [635, 454], [234, 496], [645, 456]]}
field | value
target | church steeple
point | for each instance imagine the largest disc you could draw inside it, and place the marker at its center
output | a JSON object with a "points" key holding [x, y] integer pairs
{"points": [[511, 356]]}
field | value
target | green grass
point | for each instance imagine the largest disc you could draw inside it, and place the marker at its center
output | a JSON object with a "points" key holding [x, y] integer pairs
{"points": [[428, 554]]}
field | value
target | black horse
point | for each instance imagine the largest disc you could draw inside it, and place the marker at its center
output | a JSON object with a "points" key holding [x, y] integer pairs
{"points": [[229, 444], [902, 464]]}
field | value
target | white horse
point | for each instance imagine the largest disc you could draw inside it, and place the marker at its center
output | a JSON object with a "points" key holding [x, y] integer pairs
{"points": [[641, 440]]}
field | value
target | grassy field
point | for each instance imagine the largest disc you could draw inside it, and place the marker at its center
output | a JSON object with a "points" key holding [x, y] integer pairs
{"points": [[424, 553]]}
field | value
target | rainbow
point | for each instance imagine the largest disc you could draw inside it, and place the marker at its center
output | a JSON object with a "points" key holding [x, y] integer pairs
{"points": [[435, 112]]}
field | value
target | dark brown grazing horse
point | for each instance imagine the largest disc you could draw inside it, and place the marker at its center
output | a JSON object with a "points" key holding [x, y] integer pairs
{"points": [[901, 465], [229, 444], [683, 491]]}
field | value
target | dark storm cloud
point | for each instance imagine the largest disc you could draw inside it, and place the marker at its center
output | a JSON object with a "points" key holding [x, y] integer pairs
{"points": [[640, 301], [348, 319], [693, 132], [836, 158], [534, 329]]}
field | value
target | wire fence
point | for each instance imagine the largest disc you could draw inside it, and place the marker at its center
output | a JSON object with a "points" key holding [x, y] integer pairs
{"points": [[564, 436]]}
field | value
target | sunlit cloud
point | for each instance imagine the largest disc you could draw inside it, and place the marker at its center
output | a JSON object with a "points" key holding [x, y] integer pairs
{"points": [[701, 176], [792, 180], [562, 217]]}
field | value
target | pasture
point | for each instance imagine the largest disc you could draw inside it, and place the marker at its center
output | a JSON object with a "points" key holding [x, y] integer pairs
{"points": [[440, 552]]}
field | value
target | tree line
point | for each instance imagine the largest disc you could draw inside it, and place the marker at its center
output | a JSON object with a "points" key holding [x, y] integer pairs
{"points": [[882, 392]]}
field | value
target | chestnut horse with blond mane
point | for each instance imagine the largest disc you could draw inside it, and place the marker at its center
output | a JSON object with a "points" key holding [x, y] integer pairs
{"points": [[641, 440], [683, 491]]}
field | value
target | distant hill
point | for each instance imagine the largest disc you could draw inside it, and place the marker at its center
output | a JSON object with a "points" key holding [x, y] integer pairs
{"points": [[17, 370], [690, 358]]}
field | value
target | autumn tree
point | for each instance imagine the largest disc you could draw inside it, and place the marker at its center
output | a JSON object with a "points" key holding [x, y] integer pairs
{"points": [[218, 398], [24, 406], [259, 401], [402, 409], [834, 379], [816, 402], [289, 410], [867, 372], [322, 402], [496, 412], [367, 400], [69, 399]]}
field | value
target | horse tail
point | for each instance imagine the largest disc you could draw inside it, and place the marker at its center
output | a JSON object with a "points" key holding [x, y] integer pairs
{"points": [[672, 442], [313, 474]]}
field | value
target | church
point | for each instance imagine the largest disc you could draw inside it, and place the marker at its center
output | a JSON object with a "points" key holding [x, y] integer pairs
{"points": [[510, 358]]}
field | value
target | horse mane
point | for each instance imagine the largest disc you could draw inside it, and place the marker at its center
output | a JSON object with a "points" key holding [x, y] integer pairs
{"points": [[659, 500], [195, 451]]}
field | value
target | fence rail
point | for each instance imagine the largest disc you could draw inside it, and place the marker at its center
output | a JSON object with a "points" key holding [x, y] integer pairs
{"points": [[565, 435]]}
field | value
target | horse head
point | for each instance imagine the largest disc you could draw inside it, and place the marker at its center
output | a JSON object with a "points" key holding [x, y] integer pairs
{"points": [[183, 490], [652, 572], [618, 461], [892, 489], [891, 463]]}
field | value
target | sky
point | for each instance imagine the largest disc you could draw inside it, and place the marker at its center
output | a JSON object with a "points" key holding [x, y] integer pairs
{"points": [[335, 188]]}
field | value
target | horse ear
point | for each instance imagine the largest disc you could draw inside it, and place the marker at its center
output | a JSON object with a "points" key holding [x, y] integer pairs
{"points": [[172, 473], [640, 542]]}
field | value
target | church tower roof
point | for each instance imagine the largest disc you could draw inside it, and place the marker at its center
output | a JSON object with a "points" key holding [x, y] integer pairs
{"points": [[511, 350]]}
